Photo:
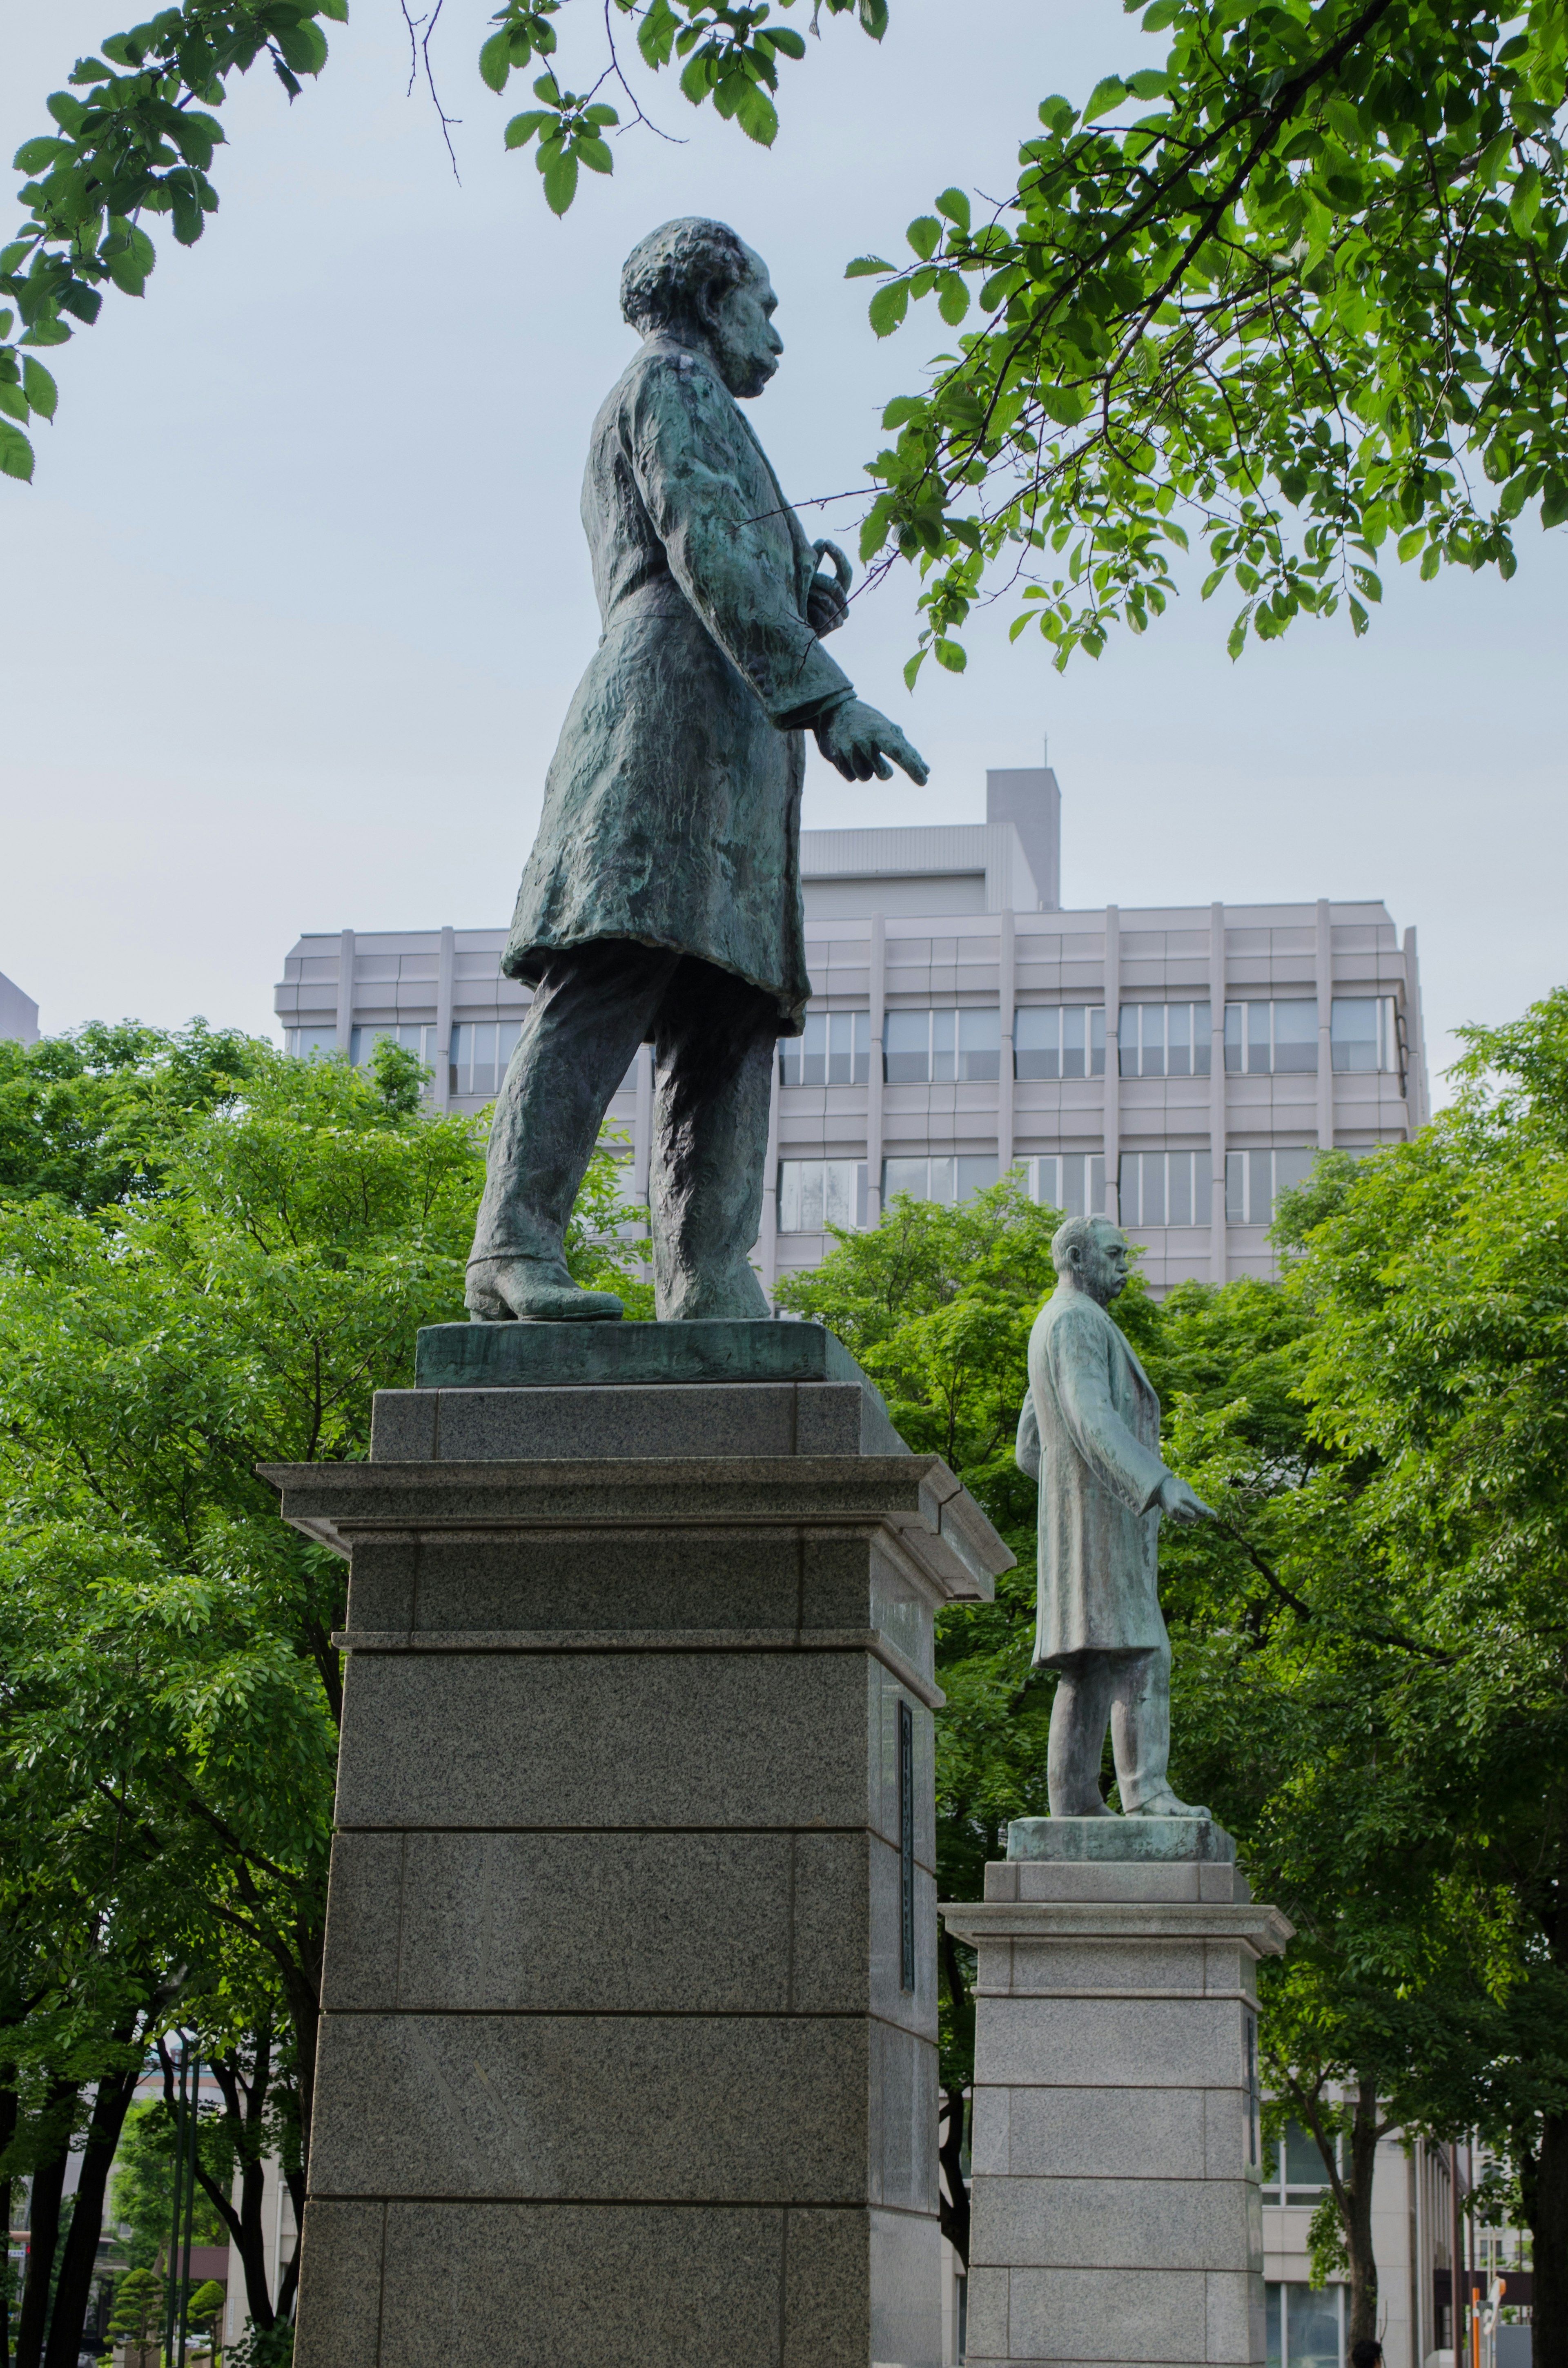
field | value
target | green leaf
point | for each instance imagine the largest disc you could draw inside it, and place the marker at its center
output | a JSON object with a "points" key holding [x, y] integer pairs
{"points": [[888, 307], [952, 654], [1149, 82], [13, 255], [1359, 617], [955, 205], [50, 332], [1524, 203], [1066, 404], [560, 181], [595, 154], [1162, 14], [783, 36], [16, 453], [925, 235], [873, 17], [656, 34], [336, 10], [1410, 543], [865, 266], [952, 299], [41, 389], [303, 46], [13, 401], [67, 110], [496, 61], [903, 407], [912, 668], [1554, 502], [756, 115], [35, 156], [521, 128], [187, 219], [1106, 93]]}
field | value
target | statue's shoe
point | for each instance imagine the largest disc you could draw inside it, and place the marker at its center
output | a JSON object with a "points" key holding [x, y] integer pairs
{"points": [[1165, 1804], [528, 1291]]}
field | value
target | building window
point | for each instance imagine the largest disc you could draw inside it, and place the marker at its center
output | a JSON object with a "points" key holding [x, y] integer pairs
{"points": [[1059, 1040], [1072, 1182], [1164, 1040], [835, 1050], [362, 1043], [304, 1043], [1164, 1188], [1296, 2171], [1254, 1179], [481, 1050], [940, 1047], [1364, 1033], [947, 1181], [813, 1193], [1278, 1039], [1304, 2329]]}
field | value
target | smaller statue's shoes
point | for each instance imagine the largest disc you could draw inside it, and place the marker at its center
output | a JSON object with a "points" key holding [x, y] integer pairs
{"points": [[1165, 1804], [535, 1291]]}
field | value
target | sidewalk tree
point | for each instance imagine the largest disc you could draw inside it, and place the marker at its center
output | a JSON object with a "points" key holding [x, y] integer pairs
{"points": [[1288, 285]]}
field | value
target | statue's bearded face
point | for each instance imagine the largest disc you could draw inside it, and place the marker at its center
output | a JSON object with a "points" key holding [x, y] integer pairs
{"points": [[1103, 1268], [741, 335]]}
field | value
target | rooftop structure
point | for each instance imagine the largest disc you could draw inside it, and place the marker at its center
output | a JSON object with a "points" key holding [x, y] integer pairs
{"points": [[19, 1013], [1177, 1066]]}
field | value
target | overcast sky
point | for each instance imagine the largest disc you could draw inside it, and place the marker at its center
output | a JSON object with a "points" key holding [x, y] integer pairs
{"points": [[291, 615]]}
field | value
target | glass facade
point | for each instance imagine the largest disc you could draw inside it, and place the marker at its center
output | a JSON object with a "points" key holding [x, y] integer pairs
{"points": [[1364, 1033], [1059, 1040], [1272, 1038], [362, 1043], [1164, 1040], [304, 1041], [817, 1192], [947, 1181], [1072, 1182], [835, 1050], [1164, 1187], [1304, 2329], [941, 1048], [1255, 1178], [481, 1050]]}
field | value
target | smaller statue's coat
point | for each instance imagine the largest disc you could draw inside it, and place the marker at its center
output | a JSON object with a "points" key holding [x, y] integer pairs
{"points": [[1090, 1433]]}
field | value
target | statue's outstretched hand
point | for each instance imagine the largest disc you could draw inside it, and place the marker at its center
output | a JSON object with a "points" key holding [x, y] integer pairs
{"points": [[859, 742], [1180, 1503]]}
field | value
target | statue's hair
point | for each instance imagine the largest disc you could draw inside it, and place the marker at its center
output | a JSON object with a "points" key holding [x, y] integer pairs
{"points": [[1077, 1234], [666, 274]]}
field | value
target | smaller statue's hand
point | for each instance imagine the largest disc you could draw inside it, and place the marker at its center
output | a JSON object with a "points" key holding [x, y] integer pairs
{"points": [[859, 742], [1180, 1503], [826, 607]]}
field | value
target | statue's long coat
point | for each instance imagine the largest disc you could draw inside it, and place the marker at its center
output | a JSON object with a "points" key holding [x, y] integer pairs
{"points": [[1090, 1430], [672, 810]]}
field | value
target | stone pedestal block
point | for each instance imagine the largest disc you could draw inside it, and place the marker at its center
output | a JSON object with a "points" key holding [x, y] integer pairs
{"points": [[1116, 2199], [629, 2048]]}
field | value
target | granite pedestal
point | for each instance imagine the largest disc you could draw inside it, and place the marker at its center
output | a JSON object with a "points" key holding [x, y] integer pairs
{"points": [[629, 2048], [1115, 2198]]}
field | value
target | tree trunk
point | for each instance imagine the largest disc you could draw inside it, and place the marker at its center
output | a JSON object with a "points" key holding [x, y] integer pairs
{"points": [[1357, 2214], [245, 2103], [80, 2258], [43, 2229], [953, 2195], [8, 2110], [1547, 2203]]}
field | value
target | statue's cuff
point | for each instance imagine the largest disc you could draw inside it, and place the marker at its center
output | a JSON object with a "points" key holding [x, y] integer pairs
{"points": [[815, 713]]}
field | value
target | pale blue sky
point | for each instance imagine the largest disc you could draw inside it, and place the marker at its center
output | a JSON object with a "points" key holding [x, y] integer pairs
{"points": [[291, 616]]}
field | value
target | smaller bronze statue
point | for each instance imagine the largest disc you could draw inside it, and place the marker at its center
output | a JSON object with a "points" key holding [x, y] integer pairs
{"points": [[1090, 1434]]}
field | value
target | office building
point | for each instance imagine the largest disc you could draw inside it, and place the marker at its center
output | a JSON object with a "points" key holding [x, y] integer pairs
{"points": [[19, 1013], [1177, 1065]]}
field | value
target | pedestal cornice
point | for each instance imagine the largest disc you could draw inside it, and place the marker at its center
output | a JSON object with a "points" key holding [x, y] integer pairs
{"points": [[1261, 1927]]}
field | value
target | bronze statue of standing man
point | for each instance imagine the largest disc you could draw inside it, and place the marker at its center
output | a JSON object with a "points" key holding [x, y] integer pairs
{"points": [[1090, 1434], [661, 900]]}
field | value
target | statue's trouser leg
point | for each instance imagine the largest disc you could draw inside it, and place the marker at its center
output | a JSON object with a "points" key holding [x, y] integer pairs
{"points": [[714, 1070], [1141, 1724], [592, 1009], [1079, 1716]]}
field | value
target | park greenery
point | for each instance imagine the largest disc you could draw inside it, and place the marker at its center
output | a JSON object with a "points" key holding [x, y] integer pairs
{"points": [[1371, 1646], [210, 1256], [1288, 287]]}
